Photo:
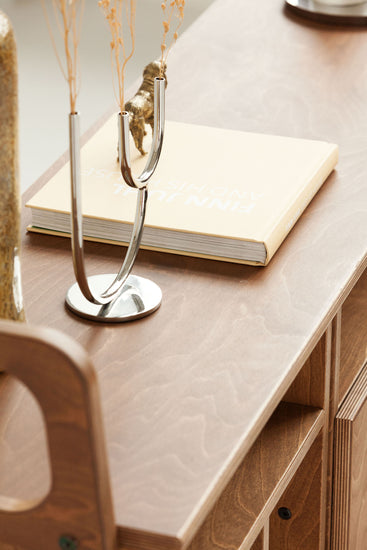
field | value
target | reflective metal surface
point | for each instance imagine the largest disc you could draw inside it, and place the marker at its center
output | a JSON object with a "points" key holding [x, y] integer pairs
{"points": [[158, 134], [17, 285], [141, 106], [140, 297], [354, 14], [98, 295]]}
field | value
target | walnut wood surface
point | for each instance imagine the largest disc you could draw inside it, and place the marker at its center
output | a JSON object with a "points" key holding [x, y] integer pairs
{"points": [[350, 472], [353, 335], [311, 385], [59, 374], [315, 385], [186, 391], [22, 435], [303, 498], [259, 542], [246, 503]]}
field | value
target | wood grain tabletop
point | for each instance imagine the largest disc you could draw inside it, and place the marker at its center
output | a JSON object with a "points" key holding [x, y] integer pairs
{"points": [[186, 391]]}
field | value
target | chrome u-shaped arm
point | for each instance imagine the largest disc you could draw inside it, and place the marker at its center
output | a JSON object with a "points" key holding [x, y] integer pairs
{"points": [[115, 289], [156, 147]]}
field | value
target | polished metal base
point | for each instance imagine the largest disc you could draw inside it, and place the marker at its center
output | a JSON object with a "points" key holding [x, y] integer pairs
{"points": [[355, 14], [139, 298]]}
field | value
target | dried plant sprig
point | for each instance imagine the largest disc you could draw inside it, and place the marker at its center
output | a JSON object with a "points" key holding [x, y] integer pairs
{"points": [[68, 15], [115, 12], [170, 9]]}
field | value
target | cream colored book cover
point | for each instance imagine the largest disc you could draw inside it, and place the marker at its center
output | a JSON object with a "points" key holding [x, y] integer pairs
{"points": [[216, 193]]}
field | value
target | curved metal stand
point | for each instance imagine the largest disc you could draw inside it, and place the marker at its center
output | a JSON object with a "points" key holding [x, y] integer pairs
{"points": [[354, 14], [115, 298]]}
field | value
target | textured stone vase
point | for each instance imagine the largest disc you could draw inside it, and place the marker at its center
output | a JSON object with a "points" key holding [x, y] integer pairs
{"points": [[11, 303]]}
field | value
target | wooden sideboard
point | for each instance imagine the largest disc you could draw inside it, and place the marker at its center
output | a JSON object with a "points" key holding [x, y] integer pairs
{"points": [[219, 409]]}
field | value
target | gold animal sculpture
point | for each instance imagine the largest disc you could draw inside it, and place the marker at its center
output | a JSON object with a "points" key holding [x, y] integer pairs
{"points": [[11, 306], [141, 106]]}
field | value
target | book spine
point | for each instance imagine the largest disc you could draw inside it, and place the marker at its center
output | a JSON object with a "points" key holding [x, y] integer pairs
{"points": [[277, 234]]}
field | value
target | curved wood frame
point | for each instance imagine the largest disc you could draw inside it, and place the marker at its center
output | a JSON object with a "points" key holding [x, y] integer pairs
{"points": [[79, 506]]}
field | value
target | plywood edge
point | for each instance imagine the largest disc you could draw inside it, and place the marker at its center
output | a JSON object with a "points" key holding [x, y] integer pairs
{"points": [[260, 542], [355, 398], [133, 539]]}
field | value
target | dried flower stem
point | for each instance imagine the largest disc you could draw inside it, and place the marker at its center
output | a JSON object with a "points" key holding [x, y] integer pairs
{"points": [[115, 11], [68, 15], [175, 8]]}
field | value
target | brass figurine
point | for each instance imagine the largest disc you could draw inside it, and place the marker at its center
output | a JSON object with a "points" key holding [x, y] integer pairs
{"points": [[141, 106], [11, 303]]}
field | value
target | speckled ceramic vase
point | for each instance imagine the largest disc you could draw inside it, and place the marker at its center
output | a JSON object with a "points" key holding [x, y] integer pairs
{"points": [[11, 303]]}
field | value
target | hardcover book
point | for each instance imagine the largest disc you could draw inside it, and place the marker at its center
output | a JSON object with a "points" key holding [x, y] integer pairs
{"points": [[217, 193]]}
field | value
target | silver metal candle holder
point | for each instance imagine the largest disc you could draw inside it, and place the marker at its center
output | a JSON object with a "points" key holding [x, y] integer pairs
{"points": [[115, 297], [353, 13]]}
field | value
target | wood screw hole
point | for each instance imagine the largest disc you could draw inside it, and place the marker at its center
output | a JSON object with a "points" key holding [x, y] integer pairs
{"points": [[68, 543], [284, 513]]}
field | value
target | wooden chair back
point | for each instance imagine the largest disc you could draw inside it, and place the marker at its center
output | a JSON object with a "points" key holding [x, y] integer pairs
{"points": [[77, 513]]}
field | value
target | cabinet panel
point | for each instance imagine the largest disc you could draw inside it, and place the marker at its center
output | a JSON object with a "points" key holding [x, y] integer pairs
{"points": [[295, 521], [311, 386], [353, 335], [350, 472], [246, 503]]}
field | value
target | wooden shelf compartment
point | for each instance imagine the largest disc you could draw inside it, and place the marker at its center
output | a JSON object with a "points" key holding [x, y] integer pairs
{"points": [[310, 387], [244, 507], [353, 352], [301, 527]]}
